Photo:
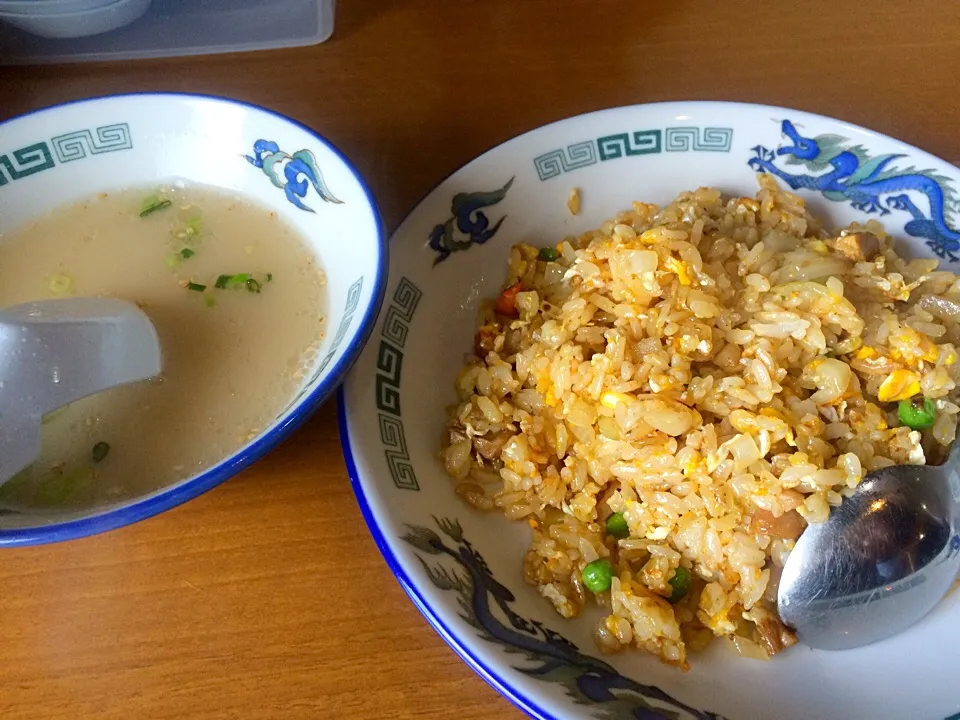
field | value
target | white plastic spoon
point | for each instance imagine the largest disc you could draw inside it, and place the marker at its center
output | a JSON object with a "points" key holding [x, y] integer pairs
{"points": [[54, 352]]}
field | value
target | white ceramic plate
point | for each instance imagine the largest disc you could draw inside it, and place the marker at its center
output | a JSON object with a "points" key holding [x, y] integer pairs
{"points": [[463, 568]]}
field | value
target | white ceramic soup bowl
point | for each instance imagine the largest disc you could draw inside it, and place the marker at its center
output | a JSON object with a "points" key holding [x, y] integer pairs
{"points": [[74, 20], [66, 153], [463, 568]]}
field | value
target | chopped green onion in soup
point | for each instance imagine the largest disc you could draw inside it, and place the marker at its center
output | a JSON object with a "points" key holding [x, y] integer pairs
{"points": [[239, 281], [153, 204], [61, 284], [100, 451]]}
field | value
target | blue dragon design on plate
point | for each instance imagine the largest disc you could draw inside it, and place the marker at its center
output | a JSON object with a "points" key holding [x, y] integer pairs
{"points": [[294, 174], [871, 183], [468, 225], [588, 680]]}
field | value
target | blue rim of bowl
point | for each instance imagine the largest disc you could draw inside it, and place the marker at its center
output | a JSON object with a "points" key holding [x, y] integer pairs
{"points": [[209, 479], [495, 681], [513, 695]]}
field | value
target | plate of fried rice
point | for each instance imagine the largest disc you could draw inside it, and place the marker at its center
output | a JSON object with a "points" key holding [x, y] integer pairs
{"points": [[624, 361]]}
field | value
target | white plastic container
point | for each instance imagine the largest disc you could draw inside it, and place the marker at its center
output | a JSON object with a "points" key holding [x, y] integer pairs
{"points": [[184, 27], [78, 24]]}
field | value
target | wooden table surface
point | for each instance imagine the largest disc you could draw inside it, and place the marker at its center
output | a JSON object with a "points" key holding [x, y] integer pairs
{"points": [[266, 598]]}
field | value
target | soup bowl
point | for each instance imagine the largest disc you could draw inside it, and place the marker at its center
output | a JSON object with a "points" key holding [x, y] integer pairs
{"points": [[64, 154], [465, 569], [73, 19]]}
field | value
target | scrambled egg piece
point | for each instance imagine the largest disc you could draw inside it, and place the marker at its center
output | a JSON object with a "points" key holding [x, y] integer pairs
{"points": [[899, 385]]}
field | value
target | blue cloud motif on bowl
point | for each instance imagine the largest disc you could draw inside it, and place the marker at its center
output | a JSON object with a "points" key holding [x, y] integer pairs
{"points": [[869, 182], [299, 172], [467, 225]]}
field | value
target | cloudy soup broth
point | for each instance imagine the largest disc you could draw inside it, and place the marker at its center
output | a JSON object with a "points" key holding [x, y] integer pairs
{"points": [[238, 302]]}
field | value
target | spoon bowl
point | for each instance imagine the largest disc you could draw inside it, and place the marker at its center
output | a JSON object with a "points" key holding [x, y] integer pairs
{"points": [[882, 560], [54, 352]]}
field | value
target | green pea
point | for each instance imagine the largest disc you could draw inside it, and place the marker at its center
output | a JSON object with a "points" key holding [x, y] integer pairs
{"points": [[617, 526], [549, 254], [598, 575], [680, 582], [916, 414]]}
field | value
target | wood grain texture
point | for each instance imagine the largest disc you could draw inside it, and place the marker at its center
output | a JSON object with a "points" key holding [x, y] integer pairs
{"points": [[266, 598]]}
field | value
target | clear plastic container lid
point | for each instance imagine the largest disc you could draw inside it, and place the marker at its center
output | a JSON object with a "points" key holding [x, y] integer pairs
{"points": [[184, 27]]}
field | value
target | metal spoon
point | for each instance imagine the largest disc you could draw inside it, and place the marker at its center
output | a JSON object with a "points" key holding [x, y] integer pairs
{"points": [[882, 560], [54, 352]]}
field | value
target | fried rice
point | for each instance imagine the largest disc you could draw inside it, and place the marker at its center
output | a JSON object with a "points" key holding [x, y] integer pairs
{"points": [[713, 376]]}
